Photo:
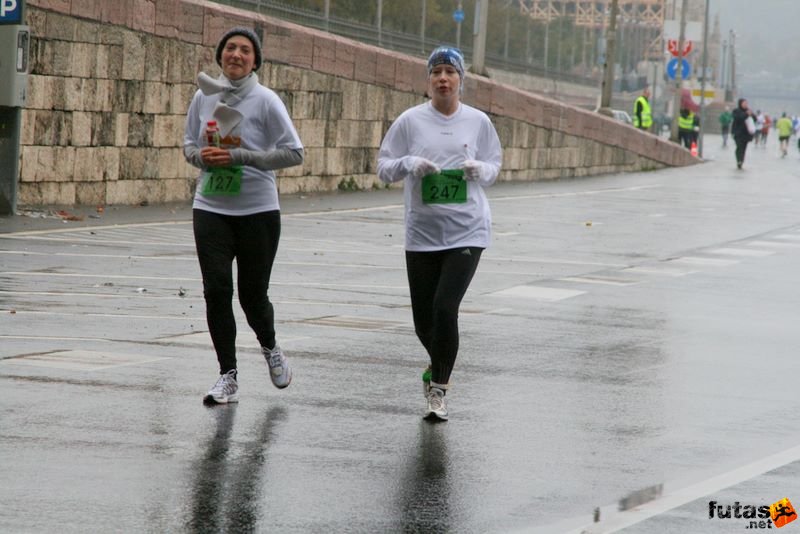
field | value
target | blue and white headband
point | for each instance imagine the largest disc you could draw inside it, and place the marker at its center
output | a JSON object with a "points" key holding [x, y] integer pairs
{"points": [[445, 55]]}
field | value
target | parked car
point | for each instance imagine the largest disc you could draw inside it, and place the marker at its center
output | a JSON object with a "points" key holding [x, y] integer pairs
{"points": [[620, 115]]}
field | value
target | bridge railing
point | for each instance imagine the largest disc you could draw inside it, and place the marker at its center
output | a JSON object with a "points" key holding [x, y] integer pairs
{"points": [[401, 42]]}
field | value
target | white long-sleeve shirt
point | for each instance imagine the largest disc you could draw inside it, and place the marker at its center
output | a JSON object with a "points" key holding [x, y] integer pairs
{"points": [[448, 141], [265, 130]]}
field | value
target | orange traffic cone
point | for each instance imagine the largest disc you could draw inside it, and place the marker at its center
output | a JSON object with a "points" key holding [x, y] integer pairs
{"points": [[694, 148]]}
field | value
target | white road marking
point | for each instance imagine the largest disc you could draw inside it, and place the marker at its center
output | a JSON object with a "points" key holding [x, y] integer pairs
{"points": [[673, 497], [196, 280], [81, 360], [245, 339], [550, 260], [191, 258], [774, 244], [742, 252], [600, 280], [93, 228], [661, 270], [589, 192], [699, 260], [544, 294], [105, 315]]}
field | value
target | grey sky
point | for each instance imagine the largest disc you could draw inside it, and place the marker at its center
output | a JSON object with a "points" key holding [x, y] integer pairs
{"points": [[767, 38]]}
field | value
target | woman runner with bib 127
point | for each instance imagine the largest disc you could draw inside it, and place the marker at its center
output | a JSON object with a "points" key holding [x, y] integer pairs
{"points": [[238, 133], [447, 152]]}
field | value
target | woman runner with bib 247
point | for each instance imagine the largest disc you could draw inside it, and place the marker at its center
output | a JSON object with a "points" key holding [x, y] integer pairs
{"points": [[447, 152]]}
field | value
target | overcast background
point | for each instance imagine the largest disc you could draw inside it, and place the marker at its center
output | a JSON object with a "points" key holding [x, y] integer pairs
{"points": [[767, 49]]}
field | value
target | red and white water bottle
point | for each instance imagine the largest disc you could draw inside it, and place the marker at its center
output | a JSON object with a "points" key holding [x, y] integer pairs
{"points": [[212, 134]]}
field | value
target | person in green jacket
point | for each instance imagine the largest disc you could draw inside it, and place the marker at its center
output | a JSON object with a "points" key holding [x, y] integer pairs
{"points": [[642, 114], [725, 120], [784, 127], [686, 125]]}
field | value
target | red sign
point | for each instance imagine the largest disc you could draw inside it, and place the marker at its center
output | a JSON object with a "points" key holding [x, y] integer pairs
{"points": [[672, 46]]}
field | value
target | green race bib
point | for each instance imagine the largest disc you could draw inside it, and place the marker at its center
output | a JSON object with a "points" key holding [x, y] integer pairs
{"points": [[447, 187], [222, 181]]}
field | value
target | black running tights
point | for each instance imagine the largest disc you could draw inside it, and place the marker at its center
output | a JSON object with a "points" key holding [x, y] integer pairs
{"points": [[252, 240], [437, 282]]}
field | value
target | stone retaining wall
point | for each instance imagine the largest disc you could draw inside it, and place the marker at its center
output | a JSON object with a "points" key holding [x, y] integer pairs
{"points": [[111, 82]]}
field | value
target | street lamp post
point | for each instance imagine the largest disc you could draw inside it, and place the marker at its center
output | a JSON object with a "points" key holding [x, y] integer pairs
{"points": [[547, 39], [703, 84], [422, 26], [723, 81], [379, 21], [479, 37], [733, 64], [676, 108], [608, 75], [460, 9]]}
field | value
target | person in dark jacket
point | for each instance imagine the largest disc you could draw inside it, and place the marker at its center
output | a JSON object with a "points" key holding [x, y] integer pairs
{"points": [[741, 134]]}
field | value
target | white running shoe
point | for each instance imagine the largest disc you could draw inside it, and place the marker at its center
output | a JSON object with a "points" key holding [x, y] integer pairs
{"points": [[437, 409], [225, 390], [279, 370]]}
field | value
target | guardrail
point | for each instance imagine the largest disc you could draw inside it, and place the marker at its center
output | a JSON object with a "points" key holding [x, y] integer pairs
{"points": [[398, 41]]}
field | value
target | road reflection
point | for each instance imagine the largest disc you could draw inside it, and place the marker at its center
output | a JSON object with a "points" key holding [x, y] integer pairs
{"points": [[425, 491], [226, 493]]}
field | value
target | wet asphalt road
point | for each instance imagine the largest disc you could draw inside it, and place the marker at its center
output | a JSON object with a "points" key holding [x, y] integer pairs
{"points": [[625, 337]]}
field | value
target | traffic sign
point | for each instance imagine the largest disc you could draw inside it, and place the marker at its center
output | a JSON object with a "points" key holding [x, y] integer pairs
{"points": [[672, 46], [672, 68], [697, 95], [10, 11], [458, 15], [693, 31]]}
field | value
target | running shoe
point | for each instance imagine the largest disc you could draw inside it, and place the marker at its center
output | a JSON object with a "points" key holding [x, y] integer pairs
{"points": [[437, 409], [225, 390], [279, 370]]}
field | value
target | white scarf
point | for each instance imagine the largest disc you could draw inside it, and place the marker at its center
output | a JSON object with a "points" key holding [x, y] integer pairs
{"points": [[233, 92]]}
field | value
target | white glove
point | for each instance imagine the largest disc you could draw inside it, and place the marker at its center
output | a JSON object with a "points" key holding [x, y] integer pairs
{"points": [[473, 170], [422, 167]]}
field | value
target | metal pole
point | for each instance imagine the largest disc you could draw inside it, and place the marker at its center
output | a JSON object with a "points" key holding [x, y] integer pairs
{"points": [[676, 103], [458, 27], [508, 28], [558, 43], [327, 15], [703, 84], [479, 37], [608, 75], [17, 56], [733, 65], [584, 63], [653, 89], [723, 82], [528, 40], [422, 26], [546, 39], [379, 21]]}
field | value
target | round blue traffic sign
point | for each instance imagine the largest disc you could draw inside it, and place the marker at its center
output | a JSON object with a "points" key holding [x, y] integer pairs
{"points": [[458, 15], [672, 68]]}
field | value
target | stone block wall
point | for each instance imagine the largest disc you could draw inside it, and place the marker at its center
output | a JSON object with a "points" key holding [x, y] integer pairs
{"points": [[111, 82]]}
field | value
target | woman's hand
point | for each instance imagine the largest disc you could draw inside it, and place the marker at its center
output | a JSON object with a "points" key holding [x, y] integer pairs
{"points": [[215, 157]]}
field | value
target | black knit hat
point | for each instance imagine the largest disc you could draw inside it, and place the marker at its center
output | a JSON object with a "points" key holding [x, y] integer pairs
{"points": [[247, 32]]}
